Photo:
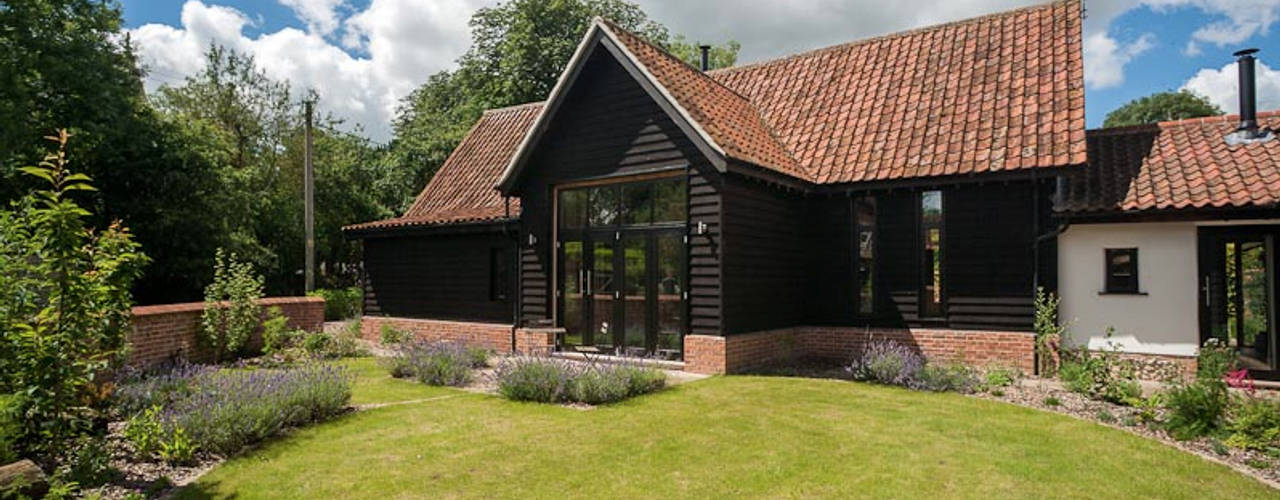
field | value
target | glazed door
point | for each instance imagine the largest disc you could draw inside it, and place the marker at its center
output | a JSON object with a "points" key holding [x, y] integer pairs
{"points": [[1237, 296]]}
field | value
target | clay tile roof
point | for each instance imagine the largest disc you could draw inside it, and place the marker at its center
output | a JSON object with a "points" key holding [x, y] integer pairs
{"points": [[994, 93], [730, 120], [1176, 165], [462, 191]]}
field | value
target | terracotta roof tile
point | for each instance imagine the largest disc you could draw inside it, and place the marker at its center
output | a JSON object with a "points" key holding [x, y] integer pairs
{"points": [[462, 191], [1176, 165], [995, 93]]}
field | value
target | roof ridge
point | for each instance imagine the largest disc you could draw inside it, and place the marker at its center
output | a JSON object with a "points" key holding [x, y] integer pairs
{"points": [[514, 107], [702, 74], [1199, 120], [887, 36]]}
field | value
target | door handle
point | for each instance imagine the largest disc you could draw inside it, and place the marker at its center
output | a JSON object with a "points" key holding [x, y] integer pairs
{"points": [[1208, 299], [588, 287]]}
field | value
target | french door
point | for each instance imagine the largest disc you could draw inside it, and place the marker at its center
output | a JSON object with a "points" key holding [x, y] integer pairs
{"points": [[623, 292], [1238, 294]]}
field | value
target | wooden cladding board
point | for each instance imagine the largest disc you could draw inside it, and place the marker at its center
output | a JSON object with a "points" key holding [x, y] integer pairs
{"points": [[607, 126], [442, 276], [764, 256]]}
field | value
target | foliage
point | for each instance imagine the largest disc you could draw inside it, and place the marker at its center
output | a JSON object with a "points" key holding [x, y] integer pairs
{"points": [[145, 432], [1101, 375], [89, 463], [1050, 333], [887, 362], [66, 307], [276, 334], [1195, 409], [9, 428], [224, 411], [340, 303], [954, 377], [1052, 401], [548, 380], [139, 390], [231, 310], [432, 363], [1215, 359], [1254, 423], [390, 335], [1148, 408], [720, 56], [342, 344], [998, 377], [1161, 106]]}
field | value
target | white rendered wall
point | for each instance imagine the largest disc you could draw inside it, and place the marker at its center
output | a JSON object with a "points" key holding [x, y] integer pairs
{"points": [[1163, 321]]}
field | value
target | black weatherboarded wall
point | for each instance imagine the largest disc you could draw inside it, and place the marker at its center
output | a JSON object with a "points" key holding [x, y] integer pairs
{"points": [[441, 276]]}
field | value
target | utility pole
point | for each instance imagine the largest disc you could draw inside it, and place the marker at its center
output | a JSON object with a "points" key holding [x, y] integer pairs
{"points": [[309, 189]]}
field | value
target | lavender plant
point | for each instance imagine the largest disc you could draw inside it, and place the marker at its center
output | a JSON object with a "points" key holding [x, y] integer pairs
{"points": [[887, 362], [140, 390], [433, 363], [550, 381], [529, 378]]}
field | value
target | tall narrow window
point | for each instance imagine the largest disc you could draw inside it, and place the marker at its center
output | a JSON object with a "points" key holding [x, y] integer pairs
{"points": [[499, 274], [931, 260], [864, 219]]}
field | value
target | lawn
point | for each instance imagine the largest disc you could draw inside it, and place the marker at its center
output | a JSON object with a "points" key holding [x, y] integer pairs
{"points": [[721, 437]]}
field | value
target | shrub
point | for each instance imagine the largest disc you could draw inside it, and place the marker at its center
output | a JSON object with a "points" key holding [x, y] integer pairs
{"points": [[538, 379], [89, 464], [1254, 423], [887, 362], [433, 363], [478, 356], [145, 432], [1049, 333], [1101, 375], [997, 377], [9, 428], [1052, 401], [390, 335], [65, 309], [1195, 409], [139, 390], [223, 411], [315, 343], [231, 311], [340, 303], [1215, 359], [1148, 408], [276, 334], [949, 377], [549, 380]]}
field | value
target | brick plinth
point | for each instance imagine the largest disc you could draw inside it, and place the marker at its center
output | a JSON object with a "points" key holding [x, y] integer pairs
{"points": [[169, 331], [536, 340], [736, 353], [493, 336]]}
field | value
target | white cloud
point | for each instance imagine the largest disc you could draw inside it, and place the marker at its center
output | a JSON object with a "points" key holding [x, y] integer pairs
{"points": [[1221, 87], [362, 62], [1105, 58], [321, 16], [399, 44]]}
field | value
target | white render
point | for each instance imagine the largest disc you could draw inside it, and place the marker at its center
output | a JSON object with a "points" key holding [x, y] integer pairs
{"points": [[1163, 321]]}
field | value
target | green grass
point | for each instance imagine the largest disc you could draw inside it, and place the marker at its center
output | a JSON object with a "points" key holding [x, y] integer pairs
{"points": [[723, 437]]}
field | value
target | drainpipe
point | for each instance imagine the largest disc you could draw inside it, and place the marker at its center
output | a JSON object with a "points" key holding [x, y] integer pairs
{"points": [[512, 295]]}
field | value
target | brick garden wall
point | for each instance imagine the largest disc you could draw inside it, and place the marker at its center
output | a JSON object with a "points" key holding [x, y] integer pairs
{"points": [[736, 353], [165, 332], [494, 336]]}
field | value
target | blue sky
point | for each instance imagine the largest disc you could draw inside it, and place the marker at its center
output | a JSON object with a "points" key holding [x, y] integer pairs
{"points": [[363, 55]]}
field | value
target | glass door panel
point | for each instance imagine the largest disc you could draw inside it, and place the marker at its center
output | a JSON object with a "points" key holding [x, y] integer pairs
{"points": [[1238, 297], [600, 276], [574, 270], [635, 293], [1252, 297], [670, 294]]}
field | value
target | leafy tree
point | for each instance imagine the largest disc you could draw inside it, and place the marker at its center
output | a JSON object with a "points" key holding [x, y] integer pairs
{"points": [[63, 64], [66, 307], [231, 311], [518, 49], [720, 56], [1161, 106]]}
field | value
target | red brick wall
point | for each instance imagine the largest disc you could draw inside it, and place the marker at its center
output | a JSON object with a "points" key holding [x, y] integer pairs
{"points": [[494, 336], [536, 340], [168, 331], [735, 353]]}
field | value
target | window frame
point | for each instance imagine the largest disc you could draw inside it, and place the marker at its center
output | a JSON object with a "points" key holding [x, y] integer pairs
{"points": [[1111, 283], [926, 264], [499, 274], [864, 306]]}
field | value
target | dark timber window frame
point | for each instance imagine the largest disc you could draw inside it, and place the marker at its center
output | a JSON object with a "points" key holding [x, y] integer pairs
{"points": [[499, 274], [864, 276], [931, 257], [1117, 279]]}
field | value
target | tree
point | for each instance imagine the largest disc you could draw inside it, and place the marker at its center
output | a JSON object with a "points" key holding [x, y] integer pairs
{"points": [[66, 307], [720, 56], [518, 49], [1161, 106]]}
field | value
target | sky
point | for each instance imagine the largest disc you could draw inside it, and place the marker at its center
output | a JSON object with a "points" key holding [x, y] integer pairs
{"points": [[362, 56]]}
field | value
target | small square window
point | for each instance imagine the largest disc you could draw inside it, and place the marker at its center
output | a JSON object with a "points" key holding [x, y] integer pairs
{"points": [[1122, 270]]}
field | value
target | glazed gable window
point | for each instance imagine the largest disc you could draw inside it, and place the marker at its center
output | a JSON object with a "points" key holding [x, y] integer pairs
{"points": [[1122, 270]]}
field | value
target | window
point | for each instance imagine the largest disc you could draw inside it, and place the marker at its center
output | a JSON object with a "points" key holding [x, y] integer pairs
{"points": [[931, 257], [864, 221], [499, 274], [612, 206], [1122, 270]]}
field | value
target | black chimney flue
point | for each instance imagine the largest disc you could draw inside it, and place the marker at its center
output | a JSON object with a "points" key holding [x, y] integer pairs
{"points": [[706, 56], [1248, 93]]}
